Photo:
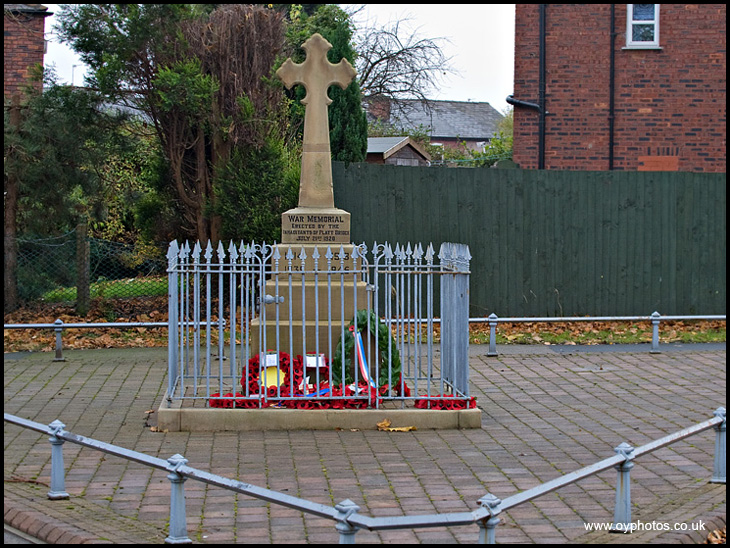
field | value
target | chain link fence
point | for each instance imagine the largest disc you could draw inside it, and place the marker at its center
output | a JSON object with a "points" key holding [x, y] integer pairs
{"points": [[45, 265], [74, 269]]}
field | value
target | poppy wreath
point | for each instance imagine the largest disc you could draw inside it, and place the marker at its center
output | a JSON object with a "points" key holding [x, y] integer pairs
{"points": [[386, 347], [293, 376], [445, 401]]}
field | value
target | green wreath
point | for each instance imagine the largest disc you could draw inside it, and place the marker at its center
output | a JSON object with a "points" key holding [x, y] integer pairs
{"points": [[386, 346]]}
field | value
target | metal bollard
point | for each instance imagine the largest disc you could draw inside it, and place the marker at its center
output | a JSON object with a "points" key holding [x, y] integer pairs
{"points": [[59, 343], [178, 522], [655, 333], [487, 528], [719, 473], [622, 510], [58, 481], [492, 335], [347, 532]]}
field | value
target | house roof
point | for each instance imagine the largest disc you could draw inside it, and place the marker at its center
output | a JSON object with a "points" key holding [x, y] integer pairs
{"points": [[27, 8], [447, 119], [387, 146]]}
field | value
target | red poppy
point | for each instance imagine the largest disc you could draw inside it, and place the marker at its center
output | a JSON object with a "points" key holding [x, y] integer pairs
{"points": [[445, 401]]}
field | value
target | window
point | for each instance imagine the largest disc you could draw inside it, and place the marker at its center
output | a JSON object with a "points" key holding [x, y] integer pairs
{"points": [[642, 26]]}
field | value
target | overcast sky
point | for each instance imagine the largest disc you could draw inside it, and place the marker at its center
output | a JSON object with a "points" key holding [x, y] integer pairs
{"points": [[480, 44]]}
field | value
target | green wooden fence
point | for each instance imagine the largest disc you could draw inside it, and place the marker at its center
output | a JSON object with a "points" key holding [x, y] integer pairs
{"points": [[556, 243]]}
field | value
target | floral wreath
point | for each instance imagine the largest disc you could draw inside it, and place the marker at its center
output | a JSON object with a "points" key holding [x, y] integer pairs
{"points": [[386, 346]]}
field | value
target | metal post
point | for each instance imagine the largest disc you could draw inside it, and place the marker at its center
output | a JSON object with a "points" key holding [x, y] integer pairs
{"points": [[487, 528], [59, 343], [719, 473], [622, 510], [178, 523], [455, 315], [655, 333], [492, 335], [58, 482], [347, 532], [172, 317], [462, 257]]}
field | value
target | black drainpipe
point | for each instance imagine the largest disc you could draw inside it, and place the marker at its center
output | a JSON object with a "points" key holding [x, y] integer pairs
{"points": [[519, 103], [540, 105]]}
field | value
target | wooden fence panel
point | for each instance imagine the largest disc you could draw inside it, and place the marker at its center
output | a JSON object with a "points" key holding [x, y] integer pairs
{"points": [[556, 243]]}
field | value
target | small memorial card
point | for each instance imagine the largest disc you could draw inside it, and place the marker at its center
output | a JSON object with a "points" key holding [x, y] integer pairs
{"points": [[272, 359], [315, 360]]}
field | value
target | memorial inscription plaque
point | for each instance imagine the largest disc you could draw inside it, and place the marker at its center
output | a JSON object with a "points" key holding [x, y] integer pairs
{"points": [[302, 226]]}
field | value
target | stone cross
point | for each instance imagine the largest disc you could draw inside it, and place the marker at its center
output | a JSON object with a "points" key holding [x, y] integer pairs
{"points": [[316, 74]]}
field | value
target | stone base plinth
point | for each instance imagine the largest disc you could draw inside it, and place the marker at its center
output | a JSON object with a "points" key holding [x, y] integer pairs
{"points": [[175, 418]]}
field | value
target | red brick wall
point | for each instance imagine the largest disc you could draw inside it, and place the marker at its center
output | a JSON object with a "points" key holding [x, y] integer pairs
{"points": [[24, 46], [669, 103]]}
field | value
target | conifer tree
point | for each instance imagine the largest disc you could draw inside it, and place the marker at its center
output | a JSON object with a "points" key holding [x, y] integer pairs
{"points": [[347, 119]]}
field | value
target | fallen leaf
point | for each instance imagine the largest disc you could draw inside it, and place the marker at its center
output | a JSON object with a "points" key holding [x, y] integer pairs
{"points": [[384, 426]]}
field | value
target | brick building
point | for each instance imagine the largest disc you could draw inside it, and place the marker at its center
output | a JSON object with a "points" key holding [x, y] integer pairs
{"points": [[620, 86], [24, 44]]}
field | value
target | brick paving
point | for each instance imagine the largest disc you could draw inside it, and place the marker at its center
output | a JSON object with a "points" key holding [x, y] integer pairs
{"points": [[545, 413]]}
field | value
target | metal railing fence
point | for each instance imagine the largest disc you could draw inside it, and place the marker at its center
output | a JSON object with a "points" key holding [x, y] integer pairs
{"points": [[346, 514], [317, 325], [655, 318], [493, 320], [58, 326]]}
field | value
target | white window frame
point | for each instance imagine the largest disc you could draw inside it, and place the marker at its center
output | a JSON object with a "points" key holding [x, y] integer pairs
{"points": [[639, 44]]}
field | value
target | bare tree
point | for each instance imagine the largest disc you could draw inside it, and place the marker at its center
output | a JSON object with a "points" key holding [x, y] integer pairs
{"points": [[396, 62]]}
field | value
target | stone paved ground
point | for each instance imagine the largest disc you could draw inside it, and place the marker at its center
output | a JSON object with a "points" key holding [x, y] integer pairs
{"points": [[545, 413]]}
